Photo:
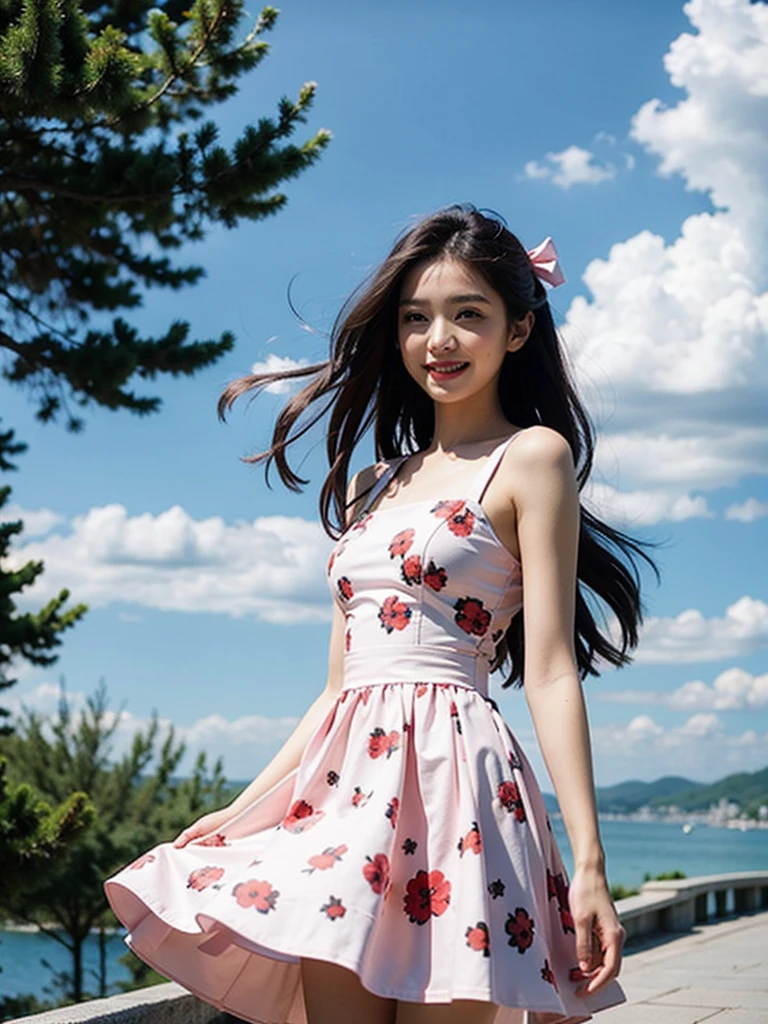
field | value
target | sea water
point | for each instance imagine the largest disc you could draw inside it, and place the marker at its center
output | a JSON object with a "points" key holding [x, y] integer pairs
{"points": [[632, 849]]}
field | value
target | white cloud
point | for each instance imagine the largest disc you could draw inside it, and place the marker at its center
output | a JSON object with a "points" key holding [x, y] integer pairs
{"points": [[748, 511], [37, 522], [278, 364], [272, 567], [643, 508], [671, 345], [572, 166], [691, 637], [732, 690], [679, 747], [244, 743], [606, 137]]}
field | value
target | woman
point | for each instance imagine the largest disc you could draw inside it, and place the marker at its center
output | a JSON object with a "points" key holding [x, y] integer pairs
{"points": [[394, 863]]}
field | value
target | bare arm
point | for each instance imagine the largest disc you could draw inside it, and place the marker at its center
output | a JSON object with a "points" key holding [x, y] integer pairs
{"points": [[547, 504]]}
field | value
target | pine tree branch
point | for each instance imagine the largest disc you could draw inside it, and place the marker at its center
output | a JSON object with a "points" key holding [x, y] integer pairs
{"points": [[9, 183]]}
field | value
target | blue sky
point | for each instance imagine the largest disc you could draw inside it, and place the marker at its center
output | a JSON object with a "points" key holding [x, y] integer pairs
{"points": [[545, 113]]}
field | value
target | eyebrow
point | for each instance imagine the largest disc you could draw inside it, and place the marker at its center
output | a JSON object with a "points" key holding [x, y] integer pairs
{"points": [[470, 297]]}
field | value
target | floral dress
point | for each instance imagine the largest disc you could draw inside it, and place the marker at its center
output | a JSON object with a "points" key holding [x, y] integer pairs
{"points": [[411, 845]]}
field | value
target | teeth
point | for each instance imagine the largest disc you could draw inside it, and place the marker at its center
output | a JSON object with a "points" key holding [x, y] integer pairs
{"points": [[448, 368]]}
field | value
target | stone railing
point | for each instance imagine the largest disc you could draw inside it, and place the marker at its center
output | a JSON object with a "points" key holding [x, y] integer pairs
{"points": [[660, 907], [680, 903]]}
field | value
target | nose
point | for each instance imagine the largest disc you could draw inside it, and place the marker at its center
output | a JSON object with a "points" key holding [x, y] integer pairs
{"points": [[441, 336]]}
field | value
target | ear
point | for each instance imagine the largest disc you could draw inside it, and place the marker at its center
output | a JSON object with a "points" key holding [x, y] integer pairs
{"points": [[519, 331]]}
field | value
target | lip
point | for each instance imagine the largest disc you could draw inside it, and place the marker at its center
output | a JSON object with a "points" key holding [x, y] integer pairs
{"points": [[447, 368]]}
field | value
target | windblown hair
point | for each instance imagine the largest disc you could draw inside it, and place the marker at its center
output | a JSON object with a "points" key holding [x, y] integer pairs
{"points": [[364, 383]]}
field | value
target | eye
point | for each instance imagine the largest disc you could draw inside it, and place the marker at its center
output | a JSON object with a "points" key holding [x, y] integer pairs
{"points": [[409, 317], [472, 312]]}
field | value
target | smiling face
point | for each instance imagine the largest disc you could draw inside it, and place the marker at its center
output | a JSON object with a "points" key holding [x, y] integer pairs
{"points": [[454, 333]]}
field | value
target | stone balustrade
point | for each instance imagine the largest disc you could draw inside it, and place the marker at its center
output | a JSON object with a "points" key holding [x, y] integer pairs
{"points": [[678, 904], [672, 906]]}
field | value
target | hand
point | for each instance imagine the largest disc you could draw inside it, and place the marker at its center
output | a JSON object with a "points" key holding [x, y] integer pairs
{"points": [[203, 826], [599, 933]]}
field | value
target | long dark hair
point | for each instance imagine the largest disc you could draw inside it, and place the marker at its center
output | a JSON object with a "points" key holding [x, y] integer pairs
{"points": [[364, 383]]}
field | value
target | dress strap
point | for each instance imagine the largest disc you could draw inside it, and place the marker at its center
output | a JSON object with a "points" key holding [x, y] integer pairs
{"points": [[484, 477], [384, 479]]}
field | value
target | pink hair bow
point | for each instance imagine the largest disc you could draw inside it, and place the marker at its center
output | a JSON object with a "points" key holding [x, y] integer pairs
{"points": [[546, 264]]}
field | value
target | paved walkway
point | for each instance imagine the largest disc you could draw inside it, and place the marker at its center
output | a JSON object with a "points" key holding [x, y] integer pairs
{"points": [[718, 973]]}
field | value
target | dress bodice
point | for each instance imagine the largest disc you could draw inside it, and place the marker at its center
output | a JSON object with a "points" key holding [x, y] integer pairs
{"points": [[427, 587]]}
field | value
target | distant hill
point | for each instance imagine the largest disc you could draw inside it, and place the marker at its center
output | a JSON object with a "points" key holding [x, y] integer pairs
{"points": [[748, 789], [626, 797]]}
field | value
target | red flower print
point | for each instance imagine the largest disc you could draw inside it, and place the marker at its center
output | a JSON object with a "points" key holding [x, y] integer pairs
{"points": [[217, 839], [401, 543], [348, 640], [435, 578], [362, 523], [332, 778], [471, 841], [330, 856], [426, 894], [446, 509], [381, 742], [519, 928], [301, 816], [376, 872], [471, 616], [478, 938], [331, 560], [421, 689], [394, 614], [460, 520], [557, 887], [365, 694], [333, 908], [345, 588], [145, 858], [359, 798], [509, 795], [411, 570], [547, 975], [204, 877], [259, 895], [462, 524], [393, 809], [409, 846]]}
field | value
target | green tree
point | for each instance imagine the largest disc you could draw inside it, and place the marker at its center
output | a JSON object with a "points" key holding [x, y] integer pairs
{"points": [[101, 175], [137, 800], [32, 832], [32, 636]]}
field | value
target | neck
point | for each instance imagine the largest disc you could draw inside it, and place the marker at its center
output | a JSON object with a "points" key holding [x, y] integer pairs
{"points": [[462, 424]]}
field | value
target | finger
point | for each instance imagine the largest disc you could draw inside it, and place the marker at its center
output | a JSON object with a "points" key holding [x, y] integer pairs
{"points": [[609, 968], [585, 944], [183, 837]]}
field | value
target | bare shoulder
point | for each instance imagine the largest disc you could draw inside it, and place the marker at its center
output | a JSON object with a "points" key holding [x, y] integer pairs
{"points": [[538, 466], [542, 449], [359, 486]]}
